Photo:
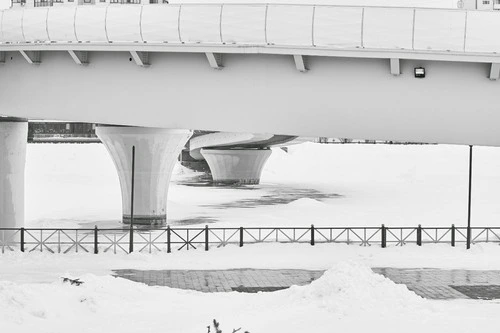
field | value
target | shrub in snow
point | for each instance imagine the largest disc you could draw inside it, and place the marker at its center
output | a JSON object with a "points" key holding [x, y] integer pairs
{"points": [[73, 282], [218, 330]]}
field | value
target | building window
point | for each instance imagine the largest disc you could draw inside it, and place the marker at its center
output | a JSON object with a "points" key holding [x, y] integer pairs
{"points": [[134, 2], [486, 2], [22, 2], [43, 3], [153, 1]]}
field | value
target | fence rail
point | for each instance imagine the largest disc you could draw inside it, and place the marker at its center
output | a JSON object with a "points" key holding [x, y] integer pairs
{"points": [[168, 239]]}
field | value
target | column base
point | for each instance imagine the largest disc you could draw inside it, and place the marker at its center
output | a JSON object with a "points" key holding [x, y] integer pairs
{"points": [[156, 152], [236, 166], [253, 181], [146, 220]]}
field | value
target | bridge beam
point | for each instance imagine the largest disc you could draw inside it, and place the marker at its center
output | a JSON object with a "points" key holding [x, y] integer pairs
{"points": [[140, 58], [32, 57], [242, 166], [156, 152], [300, 63], [13, 138], [495, 71], [395, 67], [214, 59], [80, 57]]}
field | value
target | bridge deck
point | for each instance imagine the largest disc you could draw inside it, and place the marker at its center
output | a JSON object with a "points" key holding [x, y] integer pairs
{"points": [[255, 28]]}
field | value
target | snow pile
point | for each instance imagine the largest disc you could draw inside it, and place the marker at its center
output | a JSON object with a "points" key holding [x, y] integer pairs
{"points": [[51, 307], [349, 288], [348, 297], [19, 302]]}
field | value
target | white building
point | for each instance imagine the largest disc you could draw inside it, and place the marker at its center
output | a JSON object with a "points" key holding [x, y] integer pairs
{"points": [[487, 4]]}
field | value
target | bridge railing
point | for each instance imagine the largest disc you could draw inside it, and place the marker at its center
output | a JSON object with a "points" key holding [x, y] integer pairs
{"points": [[177, 239], [306, 26]]}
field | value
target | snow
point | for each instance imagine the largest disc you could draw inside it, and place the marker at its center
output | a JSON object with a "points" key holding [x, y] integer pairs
{"points": [[36, 267], [350, 288], [74, 185], [324, 185], [349, 297]]}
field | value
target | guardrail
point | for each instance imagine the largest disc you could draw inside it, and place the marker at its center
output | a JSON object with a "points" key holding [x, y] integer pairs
{"points": [[169, 239], [330, 27]]}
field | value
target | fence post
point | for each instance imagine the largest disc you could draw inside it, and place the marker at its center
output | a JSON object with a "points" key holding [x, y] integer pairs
{"points": [[383, 236], [131, 240], [419, 235], [241, 236], [452, 235], [312, 234], [168, 239], [22, 239], [206, 238], [96, 243]]}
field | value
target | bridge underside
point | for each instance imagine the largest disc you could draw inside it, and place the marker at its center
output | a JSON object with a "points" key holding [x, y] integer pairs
{"points": [[455, 103]]}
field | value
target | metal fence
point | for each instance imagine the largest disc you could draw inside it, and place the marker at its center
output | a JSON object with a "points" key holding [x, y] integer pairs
{"points": [[169, 239]]}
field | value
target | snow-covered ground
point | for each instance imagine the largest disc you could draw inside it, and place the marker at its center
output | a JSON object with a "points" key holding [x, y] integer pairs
{"points": [[325, 185], [349, 297], [36, 267], [71, 185]]}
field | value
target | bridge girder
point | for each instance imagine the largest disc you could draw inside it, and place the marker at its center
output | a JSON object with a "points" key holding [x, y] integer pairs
{"points": [[260, 93]]}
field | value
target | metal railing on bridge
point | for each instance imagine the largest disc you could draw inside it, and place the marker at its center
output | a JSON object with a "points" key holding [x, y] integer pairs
{"points": [[310, 26], [169, 239]]}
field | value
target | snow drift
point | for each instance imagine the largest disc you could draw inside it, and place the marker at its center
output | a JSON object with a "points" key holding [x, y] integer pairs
{"points": [[104, 303]]}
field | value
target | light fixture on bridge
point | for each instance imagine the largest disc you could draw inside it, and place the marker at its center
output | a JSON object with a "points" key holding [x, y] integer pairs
{"points": [[419, 72]]}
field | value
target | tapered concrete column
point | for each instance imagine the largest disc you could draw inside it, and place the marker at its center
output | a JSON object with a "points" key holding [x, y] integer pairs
{"points": [[13, 139], [156, 152], [242, 166]]}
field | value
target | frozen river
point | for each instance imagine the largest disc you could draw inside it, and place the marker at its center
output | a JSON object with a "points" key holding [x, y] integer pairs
{"points": [[325, 185]]}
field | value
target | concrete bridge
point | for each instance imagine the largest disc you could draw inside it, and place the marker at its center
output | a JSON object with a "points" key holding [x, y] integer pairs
{"points": [[406, 74]]}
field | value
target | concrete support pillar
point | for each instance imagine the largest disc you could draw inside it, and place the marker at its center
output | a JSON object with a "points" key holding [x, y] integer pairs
{"points": [[156, 152], [242, 166], [13, 139]]}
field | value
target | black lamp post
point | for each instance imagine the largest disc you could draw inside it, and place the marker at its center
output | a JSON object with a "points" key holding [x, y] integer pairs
{"points": [[470, 199], [131, 241]]}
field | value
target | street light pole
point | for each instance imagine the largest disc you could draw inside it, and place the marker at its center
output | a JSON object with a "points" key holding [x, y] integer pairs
{"points": [[470, 199], [131, 241]]}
